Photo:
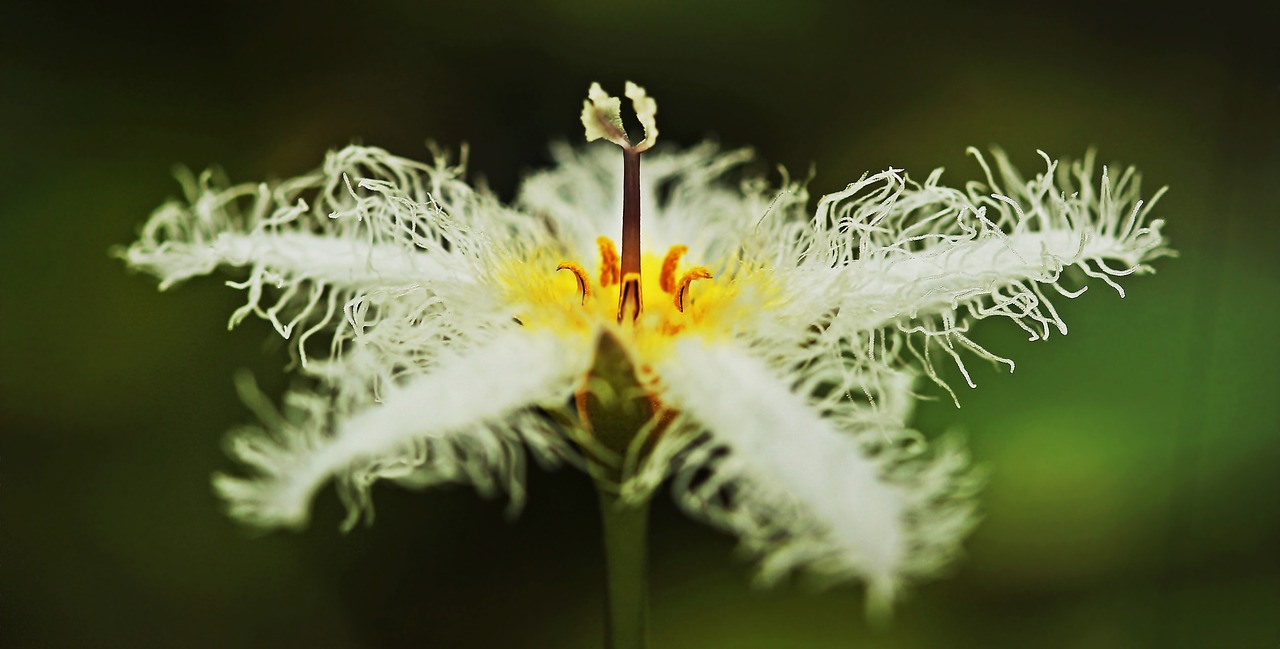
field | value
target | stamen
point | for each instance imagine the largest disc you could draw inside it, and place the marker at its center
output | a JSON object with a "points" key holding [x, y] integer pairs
{"points": [[667, 280], [584, 286], [697, 272], [629, 303], [609, 273]]}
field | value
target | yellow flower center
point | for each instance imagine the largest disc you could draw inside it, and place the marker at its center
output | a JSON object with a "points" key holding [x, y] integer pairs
{"points": [[644, 300], [671, 298]]}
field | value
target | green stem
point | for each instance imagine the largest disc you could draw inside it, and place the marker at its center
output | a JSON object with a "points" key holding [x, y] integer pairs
{"points": [[626, 559]]}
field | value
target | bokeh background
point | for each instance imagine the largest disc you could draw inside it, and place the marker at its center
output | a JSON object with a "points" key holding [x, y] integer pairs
{"points": [[1134, 497]]}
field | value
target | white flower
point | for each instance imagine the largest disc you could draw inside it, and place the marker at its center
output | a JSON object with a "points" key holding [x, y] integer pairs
{"points": [[769, 377]]}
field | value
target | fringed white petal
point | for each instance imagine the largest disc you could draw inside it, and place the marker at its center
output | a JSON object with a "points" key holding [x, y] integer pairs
{"points": [[346, 263], [797, 489], [467, 400], [365, 219], [364, 224], [891, 255]]}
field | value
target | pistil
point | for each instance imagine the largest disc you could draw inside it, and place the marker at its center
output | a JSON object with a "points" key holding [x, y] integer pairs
{"points": [[602, 118], [630, 300]]}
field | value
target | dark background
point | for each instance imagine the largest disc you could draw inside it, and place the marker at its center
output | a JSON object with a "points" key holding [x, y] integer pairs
{"points": [[1134, 498]]}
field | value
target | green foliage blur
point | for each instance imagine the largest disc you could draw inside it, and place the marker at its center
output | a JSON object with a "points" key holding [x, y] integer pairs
{"points": [[1134, 497]]}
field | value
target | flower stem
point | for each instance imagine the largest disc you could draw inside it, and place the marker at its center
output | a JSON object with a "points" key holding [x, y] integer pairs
{"points": [[626, 560]]}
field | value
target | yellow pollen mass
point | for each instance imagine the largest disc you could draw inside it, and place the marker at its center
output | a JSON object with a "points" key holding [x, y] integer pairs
{"points": [[573, 304]]}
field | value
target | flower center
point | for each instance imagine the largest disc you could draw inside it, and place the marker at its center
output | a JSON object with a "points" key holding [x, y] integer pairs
{"points": [[601, 118], [589, 295], [626, 288], [614, 297]]}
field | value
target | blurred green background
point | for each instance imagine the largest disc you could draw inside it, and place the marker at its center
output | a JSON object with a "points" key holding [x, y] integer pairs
{"points": [[1134, 498]]}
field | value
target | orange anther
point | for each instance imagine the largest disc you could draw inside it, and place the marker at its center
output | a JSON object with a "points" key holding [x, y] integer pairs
{"points": [[697, 272], [610, 273], [584, 286], [667, 280]]}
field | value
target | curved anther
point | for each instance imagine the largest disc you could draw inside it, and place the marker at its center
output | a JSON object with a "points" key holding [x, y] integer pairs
{"points": [[609, 271], [584, 286], [697, 272], [667, 280]]}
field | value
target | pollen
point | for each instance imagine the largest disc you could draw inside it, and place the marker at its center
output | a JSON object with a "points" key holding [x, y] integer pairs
{"points": [[575, 302]]}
